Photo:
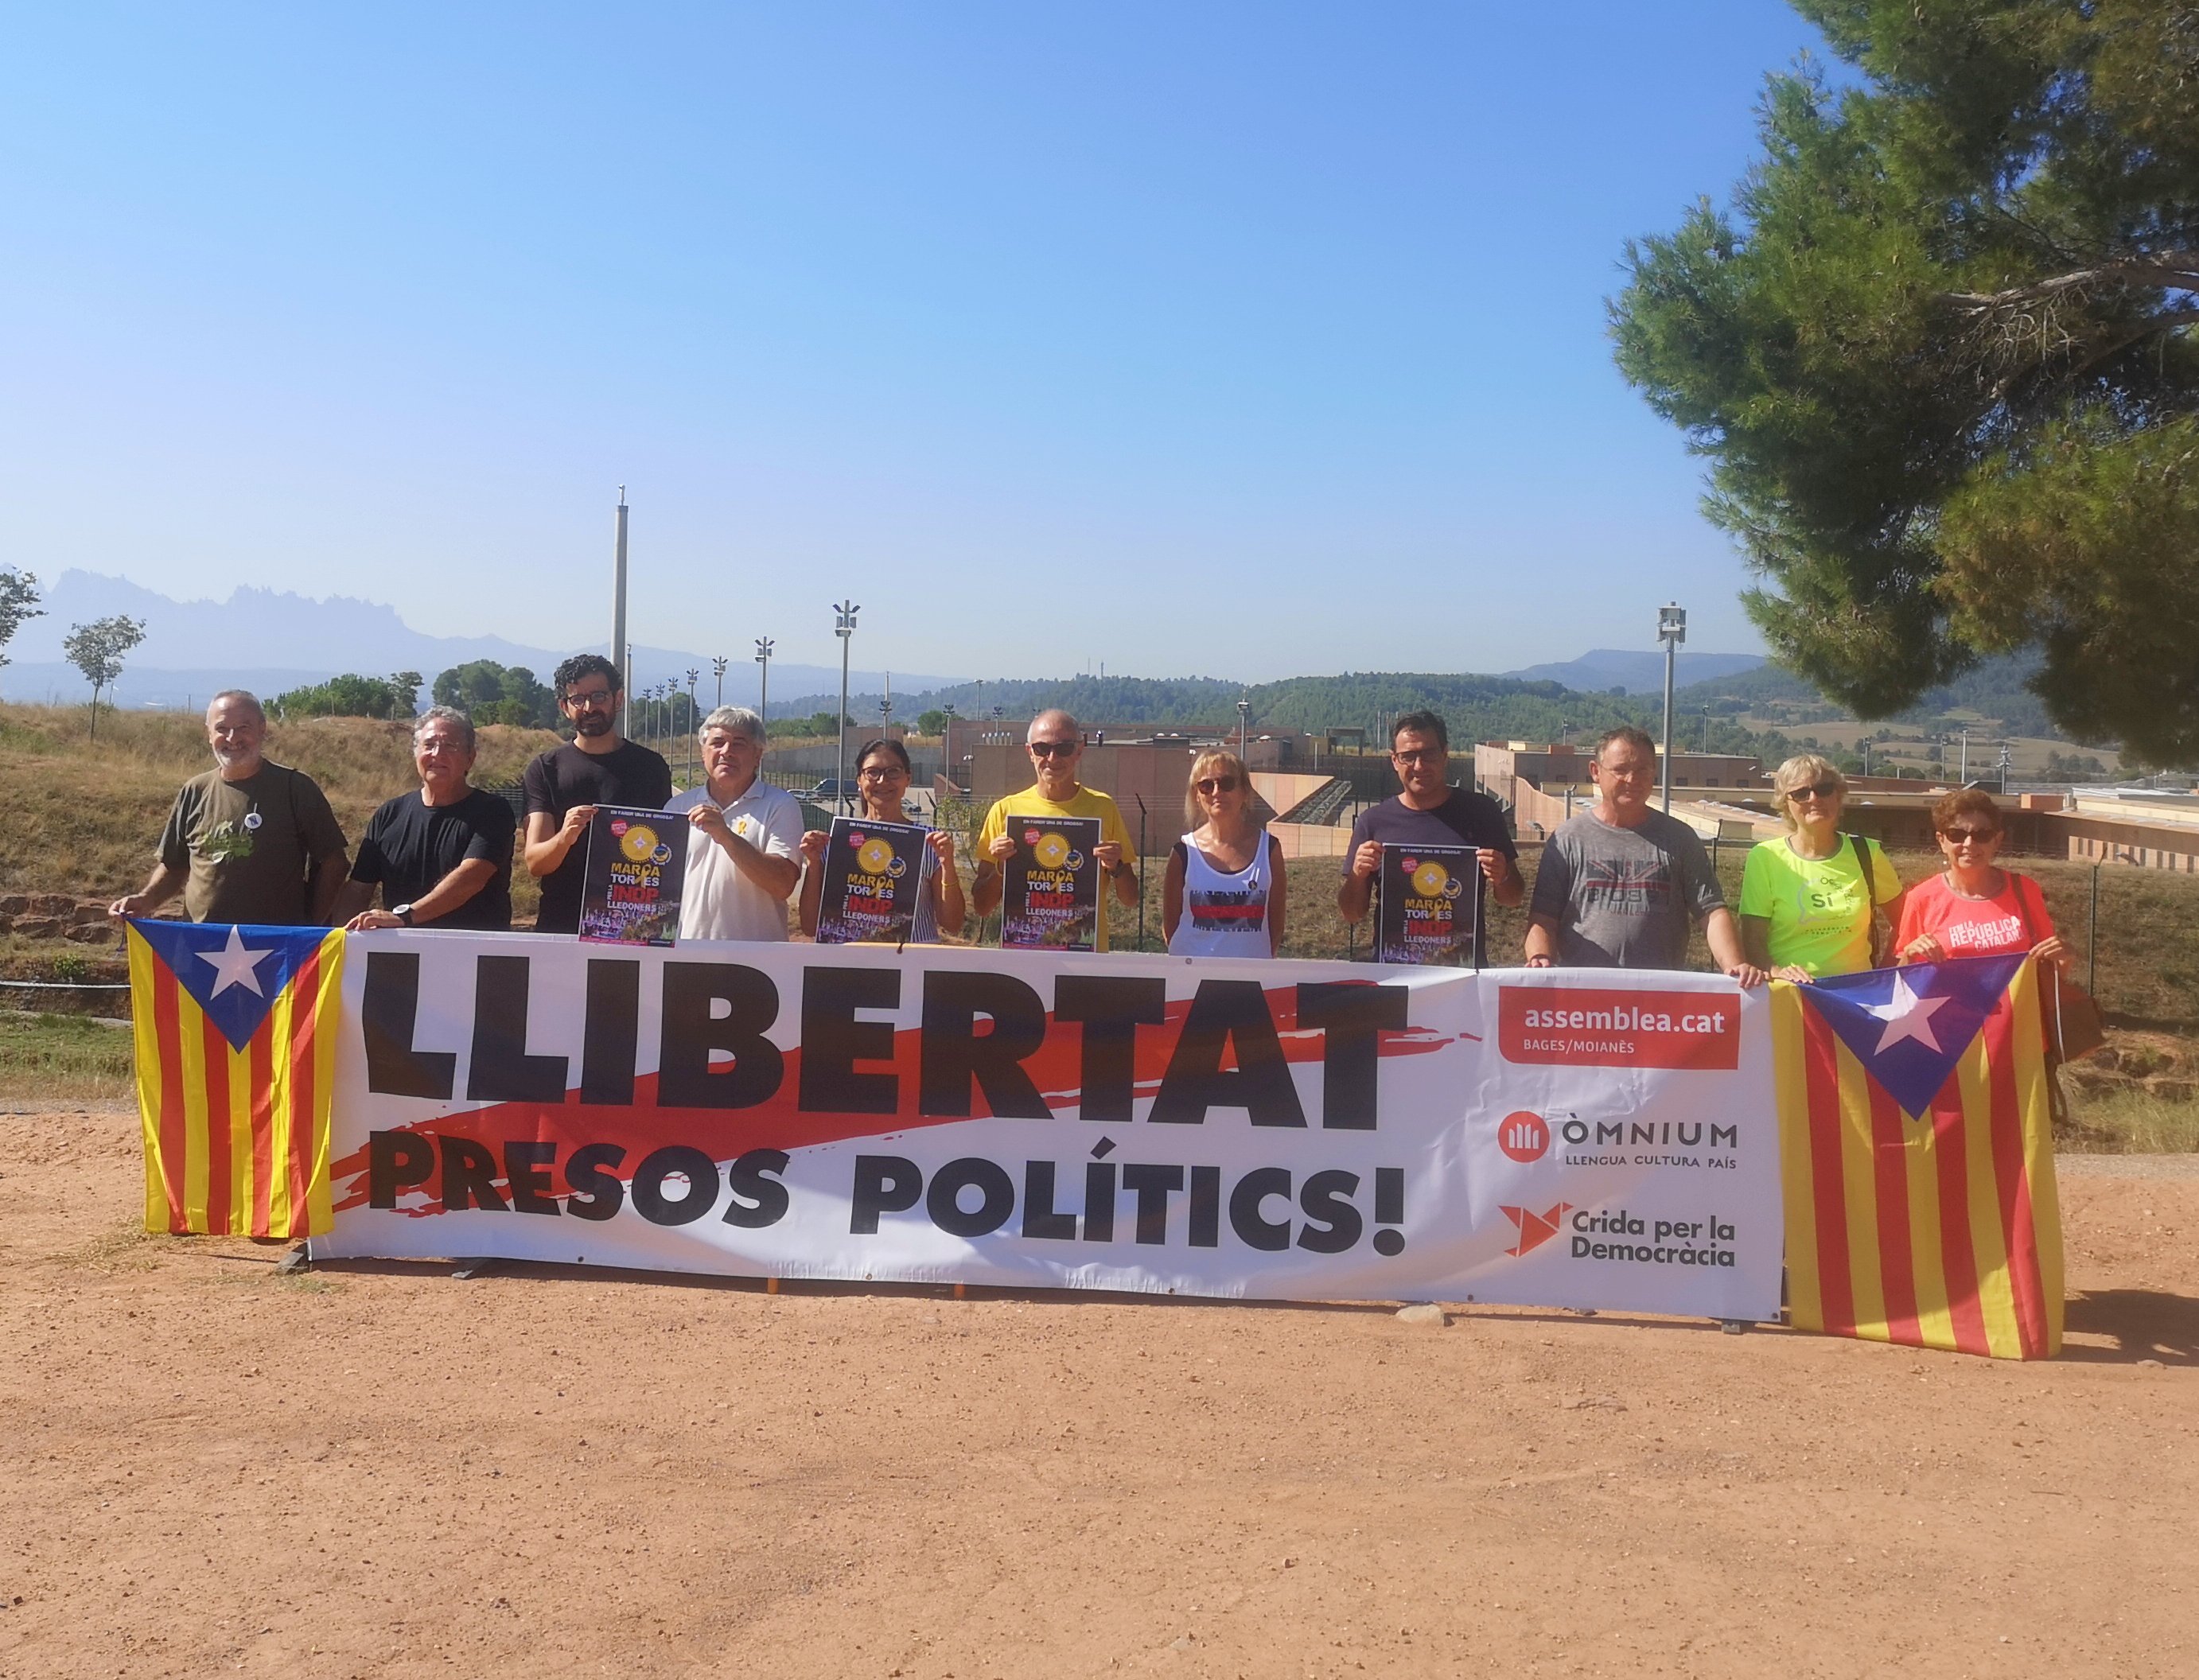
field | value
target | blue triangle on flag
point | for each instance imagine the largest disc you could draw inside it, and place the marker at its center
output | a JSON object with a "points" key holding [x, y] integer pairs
{"points": [[1910, 1026], [233, 972]]}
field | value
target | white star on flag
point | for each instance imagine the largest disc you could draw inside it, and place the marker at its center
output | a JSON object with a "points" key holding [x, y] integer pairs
{"points": [[1906, 1016], [233, 965]]}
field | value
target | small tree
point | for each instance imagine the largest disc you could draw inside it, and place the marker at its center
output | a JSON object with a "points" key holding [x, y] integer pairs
{"points": [[18, 600], [404, 693], [96, 648]]}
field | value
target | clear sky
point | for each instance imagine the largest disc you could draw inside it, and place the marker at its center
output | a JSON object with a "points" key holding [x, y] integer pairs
{"points": [[1236, 340]]}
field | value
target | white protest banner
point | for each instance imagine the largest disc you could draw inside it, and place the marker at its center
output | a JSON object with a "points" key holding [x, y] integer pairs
{"points": [[1273, 1129]]}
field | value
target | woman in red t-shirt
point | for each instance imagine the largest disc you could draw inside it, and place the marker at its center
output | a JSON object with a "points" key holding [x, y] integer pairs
{"points": [[1972, 909]]}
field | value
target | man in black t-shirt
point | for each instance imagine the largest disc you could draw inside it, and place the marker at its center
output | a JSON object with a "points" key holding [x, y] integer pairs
{"points": [[442, 855], [564, 785], [1429, 811]]}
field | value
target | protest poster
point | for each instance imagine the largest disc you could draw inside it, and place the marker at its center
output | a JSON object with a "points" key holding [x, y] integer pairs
{"points": [[873, 877], [1220, 1127], [636, 860], [1427, 904], [1050, 898]]}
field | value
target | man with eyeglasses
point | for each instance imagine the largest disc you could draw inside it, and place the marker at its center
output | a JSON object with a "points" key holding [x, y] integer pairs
{"points": [[597, 767], [743, 848], [1429, 812], [1055, 744], [1620, 883]]}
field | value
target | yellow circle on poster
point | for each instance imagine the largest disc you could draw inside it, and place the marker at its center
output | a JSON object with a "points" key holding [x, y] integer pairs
{"points": [[1052, 850], [638, 842], [874, 856], [1430, 879]]}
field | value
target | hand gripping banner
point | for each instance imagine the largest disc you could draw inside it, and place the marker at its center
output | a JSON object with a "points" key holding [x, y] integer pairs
{"points": [[1270, 1130]]}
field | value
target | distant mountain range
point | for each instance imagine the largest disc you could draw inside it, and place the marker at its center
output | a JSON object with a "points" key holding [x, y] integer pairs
{"points": [[1603, 669], [268, 640]]}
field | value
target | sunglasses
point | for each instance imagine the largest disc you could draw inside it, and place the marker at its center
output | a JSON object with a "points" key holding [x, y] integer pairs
{"points": [[1211, 784], [1956, 836], [1817, 791], [1053, 749]]}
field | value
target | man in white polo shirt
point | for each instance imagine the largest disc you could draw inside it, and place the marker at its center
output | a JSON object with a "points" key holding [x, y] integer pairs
{"points": [[744, 840]]}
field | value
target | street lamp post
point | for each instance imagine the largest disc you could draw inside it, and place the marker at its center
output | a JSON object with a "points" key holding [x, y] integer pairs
{"points": [[1706, 731], [1243, 711], [843, 627], [764, 646], [618, 644], [1963, 775], [718, 670], [693, 676], [1672, 630]]}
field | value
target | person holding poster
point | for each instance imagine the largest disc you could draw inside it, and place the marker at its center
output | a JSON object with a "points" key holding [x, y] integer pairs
{"points": [[597, 767], [1621, 884], [746, 837], [1431, 814], [1225, 890], [1055, 744], [882, 777]]}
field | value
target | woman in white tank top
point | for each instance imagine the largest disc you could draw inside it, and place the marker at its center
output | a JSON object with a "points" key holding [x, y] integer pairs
{"points": [[1223, 894]]}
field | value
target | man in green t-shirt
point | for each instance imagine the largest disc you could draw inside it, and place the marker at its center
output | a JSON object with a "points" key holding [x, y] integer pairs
{"points": [[248, 841], [1055, 744]]}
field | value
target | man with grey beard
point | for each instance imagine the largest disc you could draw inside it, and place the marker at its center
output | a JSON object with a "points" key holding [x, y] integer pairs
{"points": [[248, 841]]}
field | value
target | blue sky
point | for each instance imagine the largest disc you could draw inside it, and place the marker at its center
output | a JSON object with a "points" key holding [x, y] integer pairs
{"points": [[1235, 340]]}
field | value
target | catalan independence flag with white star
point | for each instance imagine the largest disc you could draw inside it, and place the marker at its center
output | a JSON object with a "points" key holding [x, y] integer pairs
{"points": [[1918, 1150], [237, 1035]]}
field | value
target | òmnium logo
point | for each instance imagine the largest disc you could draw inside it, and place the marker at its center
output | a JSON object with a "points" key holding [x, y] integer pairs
{"points": [[1535, 1228], [1523, 1136]]}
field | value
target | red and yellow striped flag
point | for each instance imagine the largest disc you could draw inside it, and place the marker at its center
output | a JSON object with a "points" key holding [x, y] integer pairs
{"points": [[235, 1030], [1916, 1145]]}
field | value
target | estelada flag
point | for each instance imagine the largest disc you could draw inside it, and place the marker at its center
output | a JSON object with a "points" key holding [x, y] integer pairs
{"points": [[1917, 1152], [235, 1029]]}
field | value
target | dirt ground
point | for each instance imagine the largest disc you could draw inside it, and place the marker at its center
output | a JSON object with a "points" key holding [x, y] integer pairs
{"points": [[382, 1470]]}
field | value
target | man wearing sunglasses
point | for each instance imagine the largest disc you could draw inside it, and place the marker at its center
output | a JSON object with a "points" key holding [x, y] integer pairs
{"points": [[1055, 744], [1620, 883], [1429, 812], [597, 767]]}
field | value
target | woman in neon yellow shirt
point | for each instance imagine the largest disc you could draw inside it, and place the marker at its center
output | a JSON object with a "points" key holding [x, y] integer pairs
{"points": [[1808, 899]]}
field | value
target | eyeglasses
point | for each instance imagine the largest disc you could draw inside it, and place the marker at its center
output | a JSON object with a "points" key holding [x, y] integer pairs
{"points": [[1957, 836], [1419, 755], [1053, 749], [591, 701], [880, 773], [1817, 791], [1211, 784]]}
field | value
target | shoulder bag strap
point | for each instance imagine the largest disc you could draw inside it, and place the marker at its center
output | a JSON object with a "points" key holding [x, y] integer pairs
{"points": [[1869, 897]]}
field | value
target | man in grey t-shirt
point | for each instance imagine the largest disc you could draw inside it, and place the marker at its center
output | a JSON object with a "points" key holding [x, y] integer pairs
{"points": [[1620, 883]]}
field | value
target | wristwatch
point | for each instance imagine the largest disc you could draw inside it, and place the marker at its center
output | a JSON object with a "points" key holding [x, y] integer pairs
{"points": [[404, 914]]}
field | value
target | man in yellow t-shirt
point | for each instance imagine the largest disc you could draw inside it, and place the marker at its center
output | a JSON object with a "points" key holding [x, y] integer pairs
{"points": [[1055, 744]]}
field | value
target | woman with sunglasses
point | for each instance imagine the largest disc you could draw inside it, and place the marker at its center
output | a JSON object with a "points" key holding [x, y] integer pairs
{"points": [[1810, 900], [882, 776], [1224, 893], [1973, 908]]}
